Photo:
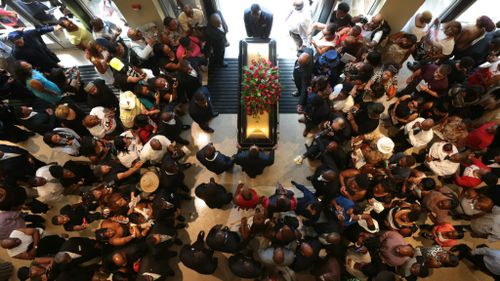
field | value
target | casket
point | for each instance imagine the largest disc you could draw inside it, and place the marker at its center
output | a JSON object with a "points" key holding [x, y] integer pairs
{"points": [[260, 129]]}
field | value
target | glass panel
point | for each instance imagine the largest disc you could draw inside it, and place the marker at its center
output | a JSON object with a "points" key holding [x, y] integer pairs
{"points": [[106, 10], [437, 7], [480, 8], [359, 7], [46, 12], [8, 23]]}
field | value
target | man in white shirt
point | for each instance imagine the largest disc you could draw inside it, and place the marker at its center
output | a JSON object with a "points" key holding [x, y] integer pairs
{"points": [[19, 240], [417, 134], [101, 122], [439, 159], [48, 188], [142, 49], [154, 150], [191, 19], [375, 30], [298, 22], [132, 145], [418, 24]]}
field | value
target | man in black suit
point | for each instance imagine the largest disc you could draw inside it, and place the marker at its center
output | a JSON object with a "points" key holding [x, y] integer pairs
{"points": [[17, 163], [198, 257], [258, 23], [302, 75], [325, 181], [214, 160], [36, 121], [172, 178], [214, 194], [78, 251], [253, 161], [216, 40], [171, 126], [223, 240], [154, 266], [200, 109]]}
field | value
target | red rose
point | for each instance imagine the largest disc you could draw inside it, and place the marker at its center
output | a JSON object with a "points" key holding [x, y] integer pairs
{"points": [[250, 67], [248, 79]]}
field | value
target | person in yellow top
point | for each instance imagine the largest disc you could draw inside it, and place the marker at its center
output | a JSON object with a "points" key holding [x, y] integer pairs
{"points": [[191, 19], [76, 33]]}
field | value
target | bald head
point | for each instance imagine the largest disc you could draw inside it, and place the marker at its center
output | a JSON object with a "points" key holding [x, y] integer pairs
{"points": [[10, 243], [427, 124], [119, 259], [377, 19], [215, 20], [155, 144], [278, 256], [329, 175], [306, 250], [304, 59]]}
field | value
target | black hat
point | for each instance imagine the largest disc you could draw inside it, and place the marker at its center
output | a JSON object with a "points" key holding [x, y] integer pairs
{"points": [[375, 108], [490, 179], [56, 171]]}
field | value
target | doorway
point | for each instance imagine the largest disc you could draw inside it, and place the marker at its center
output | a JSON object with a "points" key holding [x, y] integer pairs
{"points": [[233, 14]]}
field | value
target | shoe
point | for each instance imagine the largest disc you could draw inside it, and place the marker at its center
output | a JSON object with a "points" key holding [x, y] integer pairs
{"points": [[215, 114], [208, 130], [180, 226], [296, 94], [305, 133], [185, 189], [183, 141], [185, 127], [184, 196], [413, 66]]}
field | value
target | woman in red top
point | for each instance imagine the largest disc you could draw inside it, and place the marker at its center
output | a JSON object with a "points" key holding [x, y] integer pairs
{"points": [[146, 128], [445, 235], [474, 174], [245, 197], [482, 137]]}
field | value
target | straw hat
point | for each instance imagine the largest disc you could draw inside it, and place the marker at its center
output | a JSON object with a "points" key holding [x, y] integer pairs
{"points": [[149, 182]]}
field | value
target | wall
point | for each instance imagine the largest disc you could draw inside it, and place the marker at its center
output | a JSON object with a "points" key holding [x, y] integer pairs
{"points": [[398, 12], [150, 12]]}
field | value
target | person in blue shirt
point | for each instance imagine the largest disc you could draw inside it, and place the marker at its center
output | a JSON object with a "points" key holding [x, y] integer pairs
{"points": [[40, 86], [29, 46]]}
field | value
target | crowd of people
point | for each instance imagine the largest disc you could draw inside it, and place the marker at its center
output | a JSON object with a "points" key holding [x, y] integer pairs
{"points": [[393, 162]]}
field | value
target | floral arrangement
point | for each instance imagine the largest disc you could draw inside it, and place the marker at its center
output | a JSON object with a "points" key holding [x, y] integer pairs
{"points": [[260, 86]]}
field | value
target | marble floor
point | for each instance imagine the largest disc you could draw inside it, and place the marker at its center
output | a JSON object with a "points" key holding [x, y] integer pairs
{"points": [[201, 217]]}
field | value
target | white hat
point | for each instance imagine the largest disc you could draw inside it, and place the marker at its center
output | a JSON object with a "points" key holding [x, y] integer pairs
{"points": [[149, 182], [336, 91], [127, 102], [364, 224], [385, 145], [377, 206]]}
